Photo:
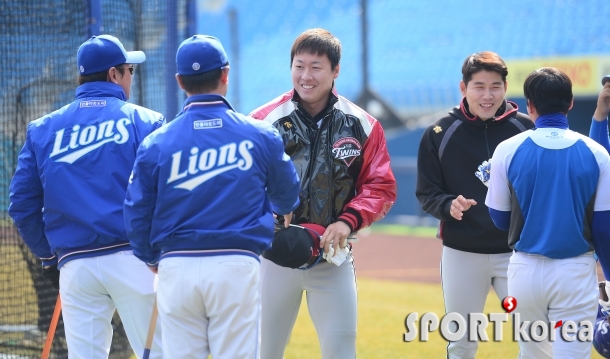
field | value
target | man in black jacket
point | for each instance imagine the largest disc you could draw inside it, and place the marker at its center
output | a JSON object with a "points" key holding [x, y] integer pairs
{"points": [[475, 252]]}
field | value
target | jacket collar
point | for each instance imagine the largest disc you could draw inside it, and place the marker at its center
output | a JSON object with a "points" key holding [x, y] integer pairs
{"points": [[100, 89], [333, 98], [507, 109], [205, 100], [552, 120]]}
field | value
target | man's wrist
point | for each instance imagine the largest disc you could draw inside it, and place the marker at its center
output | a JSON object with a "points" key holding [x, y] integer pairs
{"points": [[600, 116]]}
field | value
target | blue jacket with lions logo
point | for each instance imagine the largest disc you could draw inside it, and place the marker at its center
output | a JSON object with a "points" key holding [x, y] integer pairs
{"points": [[207, 184], [68, 189]]}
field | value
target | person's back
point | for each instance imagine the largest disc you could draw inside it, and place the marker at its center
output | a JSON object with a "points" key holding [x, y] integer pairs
{"points": [[67, 201], [554, 174], [550, 188], [199, 210], [85, 153], [212, 163]]}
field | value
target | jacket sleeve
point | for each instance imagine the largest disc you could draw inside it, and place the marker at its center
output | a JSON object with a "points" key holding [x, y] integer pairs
{"points": [[599, 132], [430, 190], [139, 206], [375, 185], [27, 202], [282, 183]]}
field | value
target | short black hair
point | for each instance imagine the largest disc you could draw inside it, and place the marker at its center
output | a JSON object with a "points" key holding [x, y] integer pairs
{"points": [[202, 83], [99, 76], [549, 90], [483, 61], [317, 42]]}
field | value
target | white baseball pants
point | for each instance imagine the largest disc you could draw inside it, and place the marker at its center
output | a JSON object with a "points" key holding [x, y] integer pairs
{"points": [[210, 305], [331, 300], [466, 279], [552, 290], [92, 289]]}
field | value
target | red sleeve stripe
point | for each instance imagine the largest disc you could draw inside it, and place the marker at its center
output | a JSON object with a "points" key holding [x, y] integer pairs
{"points": [[275, 109], [351, 219]]}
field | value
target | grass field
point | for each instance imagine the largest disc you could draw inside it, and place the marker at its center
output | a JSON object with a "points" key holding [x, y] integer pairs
{"points": [[382, 308]]}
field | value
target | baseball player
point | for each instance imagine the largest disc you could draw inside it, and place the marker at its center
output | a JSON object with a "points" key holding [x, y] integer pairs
{"points": [[340, 153], [550, 188], [599, 132], [67, 201], [475, 253], [199, 207]]}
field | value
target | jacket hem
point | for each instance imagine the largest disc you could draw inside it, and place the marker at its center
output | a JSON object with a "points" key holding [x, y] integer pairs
{"points": [[209, 253], [477, 250], [67, 256]]}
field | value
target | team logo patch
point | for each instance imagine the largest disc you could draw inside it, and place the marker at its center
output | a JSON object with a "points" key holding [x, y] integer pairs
{"points": [[287, 124], [437, 129], [93, 103], [347, 149], [206, 124]]}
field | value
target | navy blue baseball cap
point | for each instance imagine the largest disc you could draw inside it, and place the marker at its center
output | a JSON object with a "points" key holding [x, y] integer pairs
{"points": [[199, 54], [102, 52]]}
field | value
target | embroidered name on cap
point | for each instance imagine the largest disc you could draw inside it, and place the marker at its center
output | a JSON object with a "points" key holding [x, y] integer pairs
{"points": [[93, 103], [207, 124]]}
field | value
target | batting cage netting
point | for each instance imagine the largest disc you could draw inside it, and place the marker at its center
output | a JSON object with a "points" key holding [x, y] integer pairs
{"points": [[39, 41]]}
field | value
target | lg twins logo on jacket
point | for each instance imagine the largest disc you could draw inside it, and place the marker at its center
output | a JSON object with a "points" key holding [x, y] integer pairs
{"points": [[89, 138], [212, 162], [347, 149]]}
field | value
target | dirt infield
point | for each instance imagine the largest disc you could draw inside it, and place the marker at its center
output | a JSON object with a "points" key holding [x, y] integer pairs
{"points": [[404, 258]]}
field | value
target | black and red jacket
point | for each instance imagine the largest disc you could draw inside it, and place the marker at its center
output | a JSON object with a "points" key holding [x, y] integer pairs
{"points": [[343, 164], [450, 152]]}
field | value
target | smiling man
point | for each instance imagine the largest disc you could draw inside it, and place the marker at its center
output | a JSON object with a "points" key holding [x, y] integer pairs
{"points": [[340, 154], [475, 252]]}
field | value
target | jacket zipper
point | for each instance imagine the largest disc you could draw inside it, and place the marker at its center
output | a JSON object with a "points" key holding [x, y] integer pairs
{"points": [[312, 159], [487, 142]]}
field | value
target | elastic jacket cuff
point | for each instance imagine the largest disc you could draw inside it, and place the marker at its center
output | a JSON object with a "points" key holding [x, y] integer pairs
{"points": [[352, 218]]}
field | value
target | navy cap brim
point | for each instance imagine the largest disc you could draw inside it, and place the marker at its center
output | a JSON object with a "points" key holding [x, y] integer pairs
{"points": [[135, 57]]}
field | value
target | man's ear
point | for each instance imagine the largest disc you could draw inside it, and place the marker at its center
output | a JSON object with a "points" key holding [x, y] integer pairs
{"points": [[463, 88], [112, 75], [179, 81], [571, 104], [224, 76], [530, 107], [337, 70]]}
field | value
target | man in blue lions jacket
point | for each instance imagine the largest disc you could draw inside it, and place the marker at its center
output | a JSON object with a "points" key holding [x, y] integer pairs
{"points": [[67, 201], [200, 207]]}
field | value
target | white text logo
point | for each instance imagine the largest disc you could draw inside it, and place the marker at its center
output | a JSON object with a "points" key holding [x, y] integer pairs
{"points": [[89, 139], [211, 161]]}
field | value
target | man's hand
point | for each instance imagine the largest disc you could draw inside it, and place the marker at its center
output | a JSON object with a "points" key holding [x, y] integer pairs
{"points": [[52, 274], [459, 206], [287, 219], [605, 303], [603, 104], [336, 234]]}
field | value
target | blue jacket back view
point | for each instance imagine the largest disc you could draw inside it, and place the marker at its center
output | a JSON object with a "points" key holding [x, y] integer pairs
{"points": [[207, 183], [69, 186]]}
